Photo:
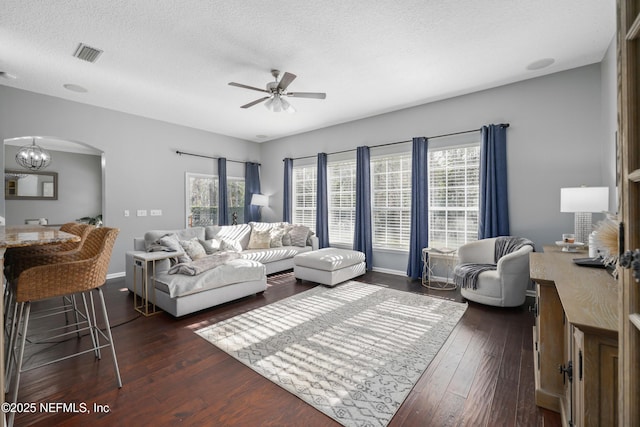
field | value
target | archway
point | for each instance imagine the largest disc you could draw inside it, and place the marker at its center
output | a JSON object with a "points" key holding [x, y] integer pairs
{"points": [[80, 184]]}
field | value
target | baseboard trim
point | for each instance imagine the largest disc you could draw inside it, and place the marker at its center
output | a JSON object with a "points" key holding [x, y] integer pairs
{"points": [[389, 271], [116, 275]]}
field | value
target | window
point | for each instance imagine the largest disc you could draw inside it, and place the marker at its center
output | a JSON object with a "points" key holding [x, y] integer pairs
{"points": [[304, 196], [454, 181], [235, 199], [391, 204], [453, 198], [202, 200], [342, 201]]}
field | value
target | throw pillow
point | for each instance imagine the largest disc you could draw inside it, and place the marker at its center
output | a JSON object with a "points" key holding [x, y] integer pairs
{"points": [[230, 245], [172, 242], [259, 239], [275, 237], [193, 248], [299, 234], [311, 233], [210, 246], [286, 237]]}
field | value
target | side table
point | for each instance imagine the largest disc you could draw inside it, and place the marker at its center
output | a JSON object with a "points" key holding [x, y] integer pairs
{"points": [[429, 256], [142, 261]]}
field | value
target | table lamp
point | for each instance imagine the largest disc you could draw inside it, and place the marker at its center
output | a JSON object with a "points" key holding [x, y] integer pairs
{"points": [[583, 201]]}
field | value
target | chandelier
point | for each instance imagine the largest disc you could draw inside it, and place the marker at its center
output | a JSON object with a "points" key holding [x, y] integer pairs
{"points": [[33, 157]]}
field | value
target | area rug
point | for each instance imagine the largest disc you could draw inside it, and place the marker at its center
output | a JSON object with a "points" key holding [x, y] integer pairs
{"points": [[353, 352]]}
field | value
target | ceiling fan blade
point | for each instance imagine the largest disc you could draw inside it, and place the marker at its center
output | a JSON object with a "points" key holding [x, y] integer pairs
{"points": [[247, 87], [257, 101], [315, 95], [286, 80]]}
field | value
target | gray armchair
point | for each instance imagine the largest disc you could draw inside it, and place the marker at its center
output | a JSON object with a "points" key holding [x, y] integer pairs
{"points": [[502, 282]]}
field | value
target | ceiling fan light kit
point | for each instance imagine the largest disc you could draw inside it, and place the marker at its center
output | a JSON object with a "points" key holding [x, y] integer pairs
{"points": [[276, 91], [278, 104]]}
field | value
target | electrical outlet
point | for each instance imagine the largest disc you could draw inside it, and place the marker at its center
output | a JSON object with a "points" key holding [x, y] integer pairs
{"points": [[141, 212], [156, 212], [126, 212]]}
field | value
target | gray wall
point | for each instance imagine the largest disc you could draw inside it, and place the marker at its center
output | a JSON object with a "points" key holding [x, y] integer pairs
{"points": [[560, 136], [142, 170], [79, 189], [555, 140]]}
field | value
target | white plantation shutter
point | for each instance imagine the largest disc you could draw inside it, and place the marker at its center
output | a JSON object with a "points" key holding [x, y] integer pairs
{"points": [[453, 198], [453, 195], [304, 196], [391, 204], [342, 201]]}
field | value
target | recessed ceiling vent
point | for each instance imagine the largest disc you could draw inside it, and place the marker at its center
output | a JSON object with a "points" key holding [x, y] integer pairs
{"points": [[87, 53]]}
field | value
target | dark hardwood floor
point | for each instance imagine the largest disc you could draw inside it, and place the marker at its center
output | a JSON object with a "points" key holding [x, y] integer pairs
{"points": [[482, 376]]}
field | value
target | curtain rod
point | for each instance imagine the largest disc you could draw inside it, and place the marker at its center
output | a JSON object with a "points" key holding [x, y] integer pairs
{"points": [[504, 125], [180, 153]]}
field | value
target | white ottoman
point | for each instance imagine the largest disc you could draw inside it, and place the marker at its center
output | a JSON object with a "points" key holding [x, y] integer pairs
{"points": [[329, 266]]}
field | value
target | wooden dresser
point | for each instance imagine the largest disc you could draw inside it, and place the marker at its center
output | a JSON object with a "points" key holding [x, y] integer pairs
{"points": [[575, 336]]}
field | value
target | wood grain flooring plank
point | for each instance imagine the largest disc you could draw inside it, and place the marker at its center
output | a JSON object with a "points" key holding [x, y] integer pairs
{"points": [[482, 392], [173, 377]]}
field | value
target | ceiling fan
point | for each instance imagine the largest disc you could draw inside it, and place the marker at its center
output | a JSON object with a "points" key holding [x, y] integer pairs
{"points": [[276, 91]]}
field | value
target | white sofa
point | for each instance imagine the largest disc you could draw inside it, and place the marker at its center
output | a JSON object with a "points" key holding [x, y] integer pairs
{"points": [[180, 294]]}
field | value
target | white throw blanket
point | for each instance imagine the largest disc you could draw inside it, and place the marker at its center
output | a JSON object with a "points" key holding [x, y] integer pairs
{"points": [[203, 264]]}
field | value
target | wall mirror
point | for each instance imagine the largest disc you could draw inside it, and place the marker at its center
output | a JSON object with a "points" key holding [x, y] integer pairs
{"points": [[27, 185]]}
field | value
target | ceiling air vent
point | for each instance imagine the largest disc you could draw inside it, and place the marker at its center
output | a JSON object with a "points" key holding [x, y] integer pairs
{"points": [[87, 53]]}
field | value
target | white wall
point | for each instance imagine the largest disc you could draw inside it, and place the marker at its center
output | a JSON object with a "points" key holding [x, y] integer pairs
{"points": [[555, 140], [142, 170]]}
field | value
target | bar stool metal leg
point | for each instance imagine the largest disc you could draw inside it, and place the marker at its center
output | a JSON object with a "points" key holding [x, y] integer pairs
{"points": [[109, 337]]}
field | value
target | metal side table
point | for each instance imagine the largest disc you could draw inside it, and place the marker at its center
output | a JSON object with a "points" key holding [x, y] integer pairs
{"points": [[142, 261], [429, 260]]}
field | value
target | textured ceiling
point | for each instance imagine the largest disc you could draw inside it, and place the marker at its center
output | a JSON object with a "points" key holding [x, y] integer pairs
{"points": [[173, 60]]}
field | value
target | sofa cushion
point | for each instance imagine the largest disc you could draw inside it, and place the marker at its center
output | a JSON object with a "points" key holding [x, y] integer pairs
{"points": [[193, 248], [275, 237], [299, 234], [277, 231], [230, 245], [172, 242], [240, 233], [329, 259], [152, 236], [210, 246], [267, 225], [273, 254], [259, 239], [235, 271]]}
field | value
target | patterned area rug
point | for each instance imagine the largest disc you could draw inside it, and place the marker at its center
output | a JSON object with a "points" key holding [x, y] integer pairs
{"points": [[353, 352]]}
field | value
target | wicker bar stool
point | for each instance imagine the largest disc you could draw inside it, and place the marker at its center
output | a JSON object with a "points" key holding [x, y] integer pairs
{"points": [[19, 259], [59, 279]]}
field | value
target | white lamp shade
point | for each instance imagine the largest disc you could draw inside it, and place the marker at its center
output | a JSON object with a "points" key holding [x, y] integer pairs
{"points": [[259, 200], [584, 199]]}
